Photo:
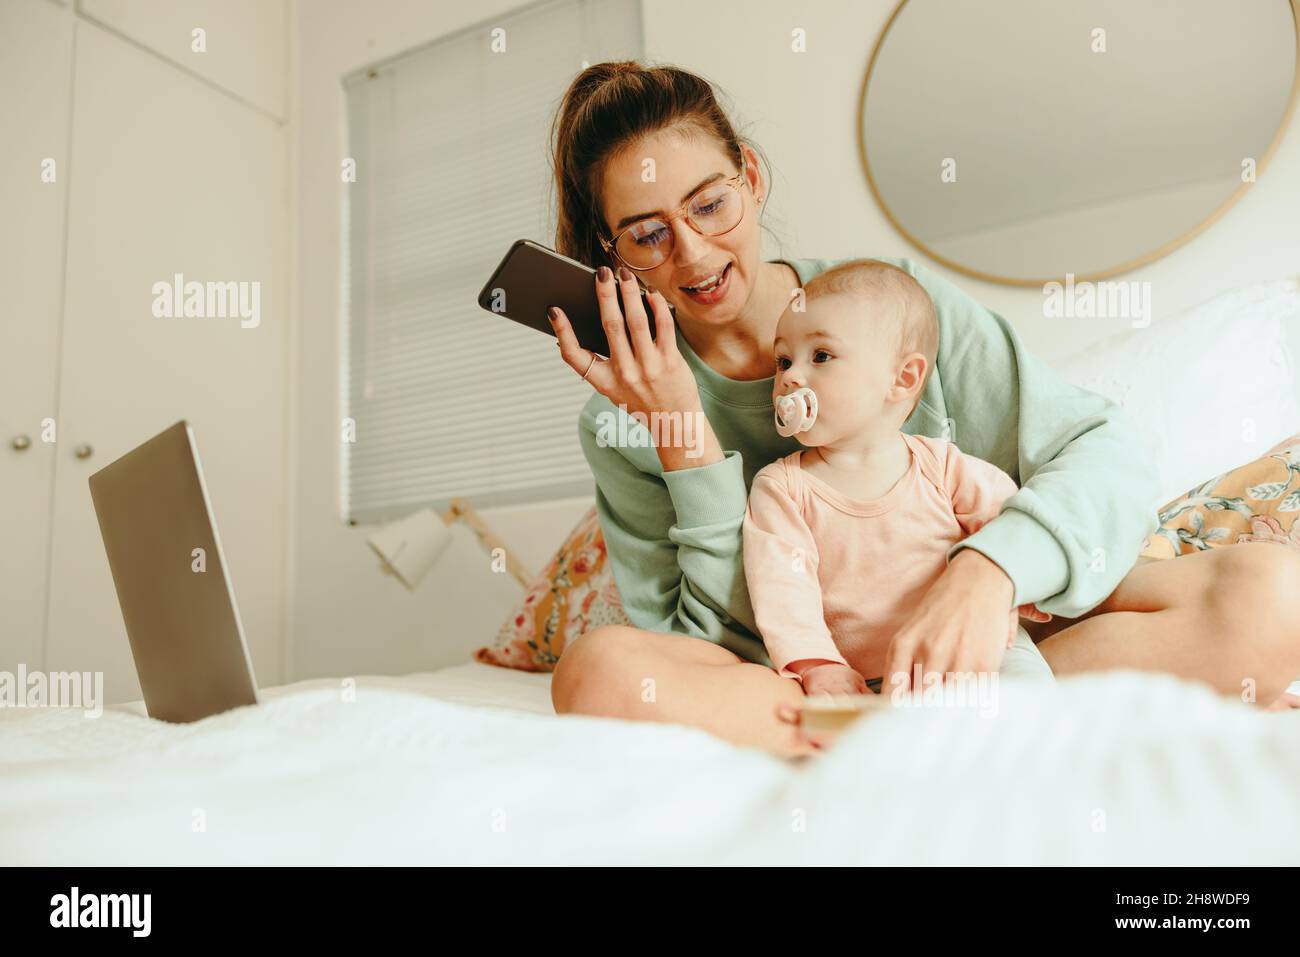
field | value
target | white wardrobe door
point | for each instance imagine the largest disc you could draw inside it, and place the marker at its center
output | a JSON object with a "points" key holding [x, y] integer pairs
{"points": [[169, 176], [245, 43], [36, 77]]}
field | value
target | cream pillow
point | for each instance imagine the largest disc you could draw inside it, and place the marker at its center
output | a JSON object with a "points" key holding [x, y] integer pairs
{"points": [[1209, 388]]}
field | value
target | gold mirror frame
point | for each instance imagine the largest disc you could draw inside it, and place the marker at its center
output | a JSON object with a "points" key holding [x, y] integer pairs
{"points": [[1124, 267]]}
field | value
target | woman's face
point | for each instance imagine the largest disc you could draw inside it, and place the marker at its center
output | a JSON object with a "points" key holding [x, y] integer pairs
{"points": [[682, 163]]}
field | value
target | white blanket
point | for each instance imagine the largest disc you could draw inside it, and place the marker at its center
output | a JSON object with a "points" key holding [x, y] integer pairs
{"points": [[1121, 768]]}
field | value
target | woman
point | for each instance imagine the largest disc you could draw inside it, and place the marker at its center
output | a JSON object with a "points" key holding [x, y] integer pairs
{"points": [[653, 183]]}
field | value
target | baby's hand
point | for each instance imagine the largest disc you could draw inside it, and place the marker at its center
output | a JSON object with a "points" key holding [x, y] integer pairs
{"points": [[833, 678]]}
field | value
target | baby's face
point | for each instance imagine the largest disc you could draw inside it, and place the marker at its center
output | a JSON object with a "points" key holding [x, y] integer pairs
{"points": [[830, 348]]}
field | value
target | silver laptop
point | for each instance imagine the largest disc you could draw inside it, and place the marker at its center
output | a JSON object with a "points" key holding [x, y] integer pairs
{"points": [[177, 603]]}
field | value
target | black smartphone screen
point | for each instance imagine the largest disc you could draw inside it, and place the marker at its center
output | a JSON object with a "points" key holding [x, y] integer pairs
{"points": [[532, 277]]}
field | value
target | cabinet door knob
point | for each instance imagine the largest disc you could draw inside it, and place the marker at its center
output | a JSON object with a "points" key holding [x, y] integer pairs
{"points": [[21, 443], [83, 451]]}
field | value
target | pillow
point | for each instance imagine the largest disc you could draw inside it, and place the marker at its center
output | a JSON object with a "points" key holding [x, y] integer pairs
{"points": [[1257, 502], [574, 594], [1207, 389]]}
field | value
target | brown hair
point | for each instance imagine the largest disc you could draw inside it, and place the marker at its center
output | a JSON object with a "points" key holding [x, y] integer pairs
{"points": [[608, 106], [916, 322]]}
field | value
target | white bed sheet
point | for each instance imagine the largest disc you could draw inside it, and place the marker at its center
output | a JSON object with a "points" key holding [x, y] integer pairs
{"points": [[471, 683]]}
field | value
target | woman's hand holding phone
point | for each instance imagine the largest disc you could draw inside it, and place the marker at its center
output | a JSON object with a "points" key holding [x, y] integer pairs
{"points": [[645, 375]]}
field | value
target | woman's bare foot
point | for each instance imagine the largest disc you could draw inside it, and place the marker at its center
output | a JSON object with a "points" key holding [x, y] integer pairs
{"points": [[1284, 702]]}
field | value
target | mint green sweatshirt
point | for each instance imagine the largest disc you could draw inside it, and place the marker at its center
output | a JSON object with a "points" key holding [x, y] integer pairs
{"points": [[1087, 498]]}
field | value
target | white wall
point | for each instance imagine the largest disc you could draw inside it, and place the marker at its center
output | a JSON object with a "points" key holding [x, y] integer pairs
{"points": [[801, 108], [347, 617]]}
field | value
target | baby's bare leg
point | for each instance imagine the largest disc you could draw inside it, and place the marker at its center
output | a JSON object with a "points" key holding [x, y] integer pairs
{"points": [[622, 672]]}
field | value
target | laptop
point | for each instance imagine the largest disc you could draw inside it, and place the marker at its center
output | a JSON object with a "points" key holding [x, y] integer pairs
{"points": [[171, 579]]}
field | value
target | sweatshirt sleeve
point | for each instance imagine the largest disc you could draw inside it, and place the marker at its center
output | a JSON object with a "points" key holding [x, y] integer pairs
{"points": [[1088, 486], [781, 568], [673, 539]]}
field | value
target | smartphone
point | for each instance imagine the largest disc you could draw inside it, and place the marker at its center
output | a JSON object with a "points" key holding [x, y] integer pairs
{"points": [[532, 277]]}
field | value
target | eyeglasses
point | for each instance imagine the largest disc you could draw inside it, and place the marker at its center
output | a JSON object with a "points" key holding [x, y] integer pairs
{"points": [[716, 209]]}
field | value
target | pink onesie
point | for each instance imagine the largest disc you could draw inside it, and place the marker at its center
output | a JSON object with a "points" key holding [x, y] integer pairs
{"points": [[833, 577]]}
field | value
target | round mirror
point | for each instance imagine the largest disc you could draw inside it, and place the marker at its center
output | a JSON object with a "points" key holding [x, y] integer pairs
{"points": [[1022, 140]]}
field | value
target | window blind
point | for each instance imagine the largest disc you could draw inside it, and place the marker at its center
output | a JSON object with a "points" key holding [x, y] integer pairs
{"points": [[451, 144]]}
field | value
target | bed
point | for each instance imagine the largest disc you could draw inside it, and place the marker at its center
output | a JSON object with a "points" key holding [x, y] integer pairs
{"points": [[466, 766]]}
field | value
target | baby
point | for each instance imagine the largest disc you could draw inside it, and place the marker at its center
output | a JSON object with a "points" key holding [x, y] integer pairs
{"points": [[843, 539]]}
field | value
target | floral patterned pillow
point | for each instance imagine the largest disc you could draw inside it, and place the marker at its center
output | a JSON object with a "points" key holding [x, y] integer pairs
{"points": [[1256, 502], [574, 594]]}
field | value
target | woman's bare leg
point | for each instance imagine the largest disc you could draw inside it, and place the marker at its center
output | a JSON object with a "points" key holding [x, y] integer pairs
{"points": [[617, 671], [1229, 617]]}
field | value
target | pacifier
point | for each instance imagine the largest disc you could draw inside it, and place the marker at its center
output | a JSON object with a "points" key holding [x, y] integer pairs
{"points": [[796, 412]]}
